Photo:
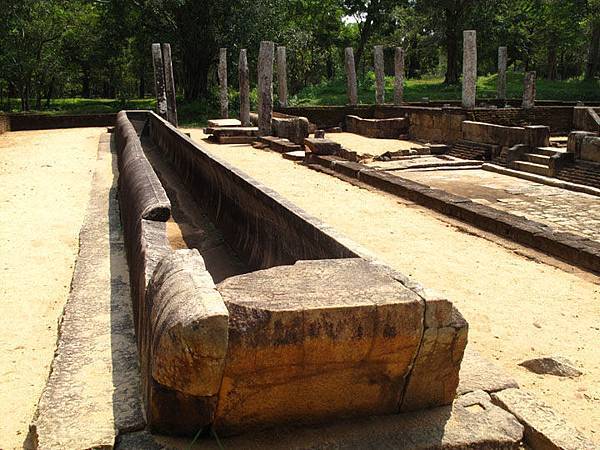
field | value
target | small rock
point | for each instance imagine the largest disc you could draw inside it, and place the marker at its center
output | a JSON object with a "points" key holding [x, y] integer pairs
{"points": [[552, 365], [320, 134]]}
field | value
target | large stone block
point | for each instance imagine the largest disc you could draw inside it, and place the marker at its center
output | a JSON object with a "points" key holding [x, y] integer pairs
{"points": [[590, 149], [317, 341], [184, 343]]}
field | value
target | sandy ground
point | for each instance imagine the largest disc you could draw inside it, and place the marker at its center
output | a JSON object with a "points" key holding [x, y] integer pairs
{"points": [[45, 178], [519, 304]]}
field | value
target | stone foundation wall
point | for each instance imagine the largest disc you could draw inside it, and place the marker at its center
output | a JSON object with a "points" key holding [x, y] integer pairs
{"points": [[558, 118], [24, 122], [377, 128], [586, 119]]}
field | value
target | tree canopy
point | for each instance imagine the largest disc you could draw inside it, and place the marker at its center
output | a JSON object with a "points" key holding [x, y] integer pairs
{"points": [[101, 48]]}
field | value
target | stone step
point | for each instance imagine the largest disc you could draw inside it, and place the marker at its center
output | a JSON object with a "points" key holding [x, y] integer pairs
{"points": [[295, 156], [548, 151], [538, 159], [232, 131], [530, 167], [214, 123]]}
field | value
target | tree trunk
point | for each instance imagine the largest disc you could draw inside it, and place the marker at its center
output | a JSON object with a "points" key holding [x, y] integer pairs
{"points": [[85, 83], [593, 63], [452, 41], [552, 58]]}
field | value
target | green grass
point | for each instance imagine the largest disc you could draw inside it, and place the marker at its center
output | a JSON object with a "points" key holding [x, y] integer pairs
{"points": [[334, 92], [196, 114]]}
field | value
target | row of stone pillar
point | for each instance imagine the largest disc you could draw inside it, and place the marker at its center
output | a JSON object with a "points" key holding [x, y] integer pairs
{"points": [[265, 84], [164, 82], [469, 82]]}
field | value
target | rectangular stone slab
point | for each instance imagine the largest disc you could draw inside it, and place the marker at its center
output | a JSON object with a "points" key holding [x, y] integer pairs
{"points": [[322, 146], [316, 341], [213, 123]]}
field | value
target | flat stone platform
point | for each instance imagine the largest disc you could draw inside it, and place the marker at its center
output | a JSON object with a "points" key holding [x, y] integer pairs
{"points": [[561, 209]]}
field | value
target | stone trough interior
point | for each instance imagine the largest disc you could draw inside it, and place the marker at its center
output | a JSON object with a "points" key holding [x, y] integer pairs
{"points": [[251, 314]]}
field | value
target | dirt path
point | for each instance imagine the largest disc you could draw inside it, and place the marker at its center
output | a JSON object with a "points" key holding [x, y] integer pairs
{"points": [[518, 307], [45, 178]]}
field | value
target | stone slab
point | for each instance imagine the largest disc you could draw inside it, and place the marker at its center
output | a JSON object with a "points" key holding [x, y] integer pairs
{"points": [[298, 155], [472, 422], [233, 131], [314, 342], [544, 428], [321, 146], [235, 139], [477, 373], [93, 392], [214, 123]]}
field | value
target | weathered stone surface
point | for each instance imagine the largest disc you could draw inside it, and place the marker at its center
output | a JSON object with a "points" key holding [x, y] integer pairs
{"points": [[377, 128], [469, 81], [493, 134], [472, 422], [293, 128], [399, 76], [322, 146], [502, 65], [435, 374], [379, 75], [159, 81], [222, 74], [265, 87], [552, 365], [282, 77], [477, 373], [233, 131], [544, 429], [529, 90], [170, 85], [576, 139], [244, 78], [590, 149], [93, 391], [352, 87], [537, 136], [316, 341], [185, 338], [215, 123]]}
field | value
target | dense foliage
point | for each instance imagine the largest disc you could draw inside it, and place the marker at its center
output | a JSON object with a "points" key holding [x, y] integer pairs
{"points": [[101, 48]]}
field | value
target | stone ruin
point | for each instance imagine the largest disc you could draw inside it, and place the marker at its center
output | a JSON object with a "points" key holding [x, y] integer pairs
{"points": [[315, 329]]}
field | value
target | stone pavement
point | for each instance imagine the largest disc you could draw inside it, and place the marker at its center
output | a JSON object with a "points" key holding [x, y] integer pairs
{"points": [[563, 210]]}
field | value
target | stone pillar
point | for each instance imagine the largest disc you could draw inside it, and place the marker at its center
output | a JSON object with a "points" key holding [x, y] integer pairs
{"points": [[351, 76], [170, 85], [244, 78], [502, 64], [282, 77], [159, 81], [265, 87], [529, 90], [469, 82], [222, 72], [379, 75], [399, 76]]}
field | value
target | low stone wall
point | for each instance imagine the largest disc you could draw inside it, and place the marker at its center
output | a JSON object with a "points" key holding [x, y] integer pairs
{"points": [[532, 136], [586, 119], [24, 122], [377, 128], [350, 334], [4, 123], [145, 208], [558, 118], [264, 229]]}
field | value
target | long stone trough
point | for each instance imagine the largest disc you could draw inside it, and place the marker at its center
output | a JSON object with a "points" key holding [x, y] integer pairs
{"points": [[312, 329]]}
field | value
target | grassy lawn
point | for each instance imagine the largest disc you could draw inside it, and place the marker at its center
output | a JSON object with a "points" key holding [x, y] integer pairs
{"points": [[334, 92], [195, 114]]}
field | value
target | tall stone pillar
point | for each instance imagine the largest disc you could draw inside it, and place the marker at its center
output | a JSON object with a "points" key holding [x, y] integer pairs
{"points": [[282, 77], [159, 81], [351, 76], [170, 85], [265, 87], [529, 90], [244, 78], [502, 64], [469, 82], [379, 75], [222, 72], [399, 76]]}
